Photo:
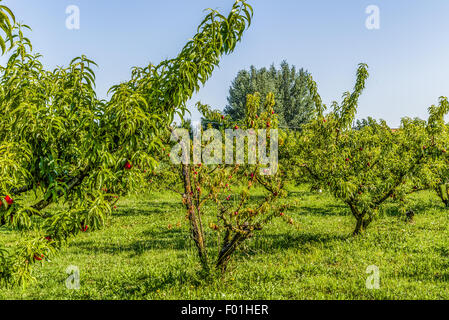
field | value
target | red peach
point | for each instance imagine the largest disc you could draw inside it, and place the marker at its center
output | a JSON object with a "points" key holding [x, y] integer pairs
{"points": [[9, 200]]}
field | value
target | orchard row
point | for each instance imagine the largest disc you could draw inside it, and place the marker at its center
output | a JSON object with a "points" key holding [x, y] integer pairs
{"points": [[60, 144]]}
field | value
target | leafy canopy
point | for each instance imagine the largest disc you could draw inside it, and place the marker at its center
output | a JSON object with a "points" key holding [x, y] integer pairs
{"points": [[366, 167], [61, 148]]}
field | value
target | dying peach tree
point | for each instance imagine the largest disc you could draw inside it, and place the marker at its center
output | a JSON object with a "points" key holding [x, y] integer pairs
{"points": [[227, 176]]}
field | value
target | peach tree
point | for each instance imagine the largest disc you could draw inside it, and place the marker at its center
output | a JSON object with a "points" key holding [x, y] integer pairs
{"points": [[364, 168], [66, 156], [223, 180], [435, 174]]}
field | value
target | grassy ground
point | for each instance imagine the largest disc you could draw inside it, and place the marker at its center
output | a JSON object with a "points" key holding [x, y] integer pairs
{"points": [[138, 256]]}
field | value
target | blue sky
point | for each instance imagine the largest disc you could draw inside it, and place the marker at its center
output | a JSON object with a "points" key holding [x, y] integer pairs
{"points": [[408, 56]]}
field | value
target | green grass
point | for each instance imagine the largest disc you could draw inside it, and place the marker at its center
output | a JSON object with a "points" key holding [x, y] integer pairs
{"points": [[137, 256]]}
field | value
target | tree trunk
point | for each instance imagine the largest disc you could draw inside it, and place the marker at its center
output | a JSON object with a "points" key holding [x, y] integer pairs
{"points": [[359, 228], [359, 218], [196, 228], [228, 249], [443, 194], [363, 219], [362, 223]]}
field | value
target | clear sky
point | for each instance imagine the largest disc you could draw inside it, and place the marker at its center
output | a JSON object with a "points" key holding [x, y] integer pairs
{"points": [[408, 56]]}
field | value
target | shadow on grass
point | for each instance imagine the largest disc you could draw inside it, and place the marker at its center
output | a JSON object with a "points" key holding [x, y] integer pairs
{"points": [[150, 208], [328, 210], [279, 242], [181, 277], [155, 210], [423, 207], [165, 240], [420, 208]]}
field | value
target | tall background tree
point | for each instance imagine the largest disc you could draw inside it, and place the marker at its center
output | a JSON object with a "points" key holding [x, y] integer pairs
{"points": [[294, 104]]}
